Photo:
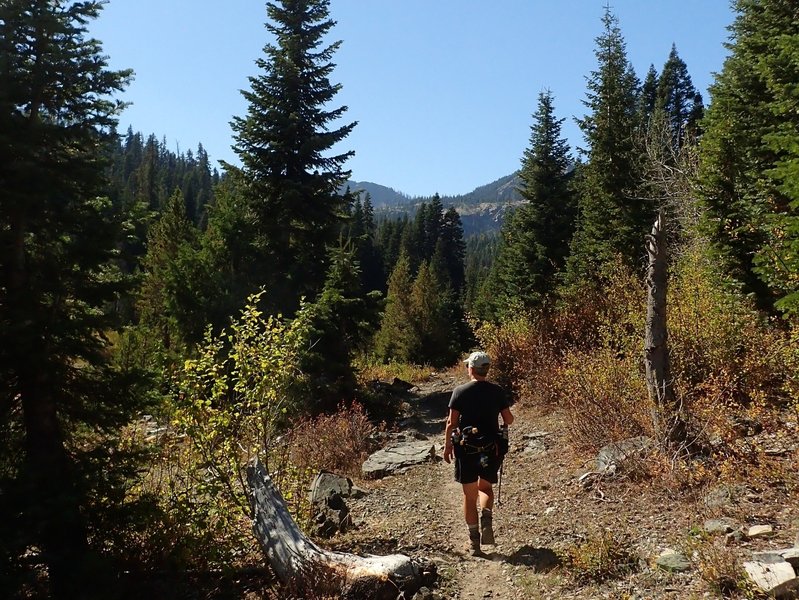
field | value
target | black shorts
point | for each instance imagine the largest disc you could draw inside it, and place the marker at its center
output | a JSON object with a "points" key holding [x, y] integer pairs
{"points": [[468, 467]]}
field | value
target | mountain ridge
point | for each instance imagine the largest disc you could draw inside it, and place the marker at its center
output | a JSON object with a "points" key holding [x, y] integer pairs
{"points": [[481, 211]]}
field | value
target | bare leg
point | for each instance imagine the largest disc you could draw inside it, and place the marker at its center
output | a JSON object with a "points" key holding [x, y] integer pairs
{"points": [[470, 491], [486, 494]]}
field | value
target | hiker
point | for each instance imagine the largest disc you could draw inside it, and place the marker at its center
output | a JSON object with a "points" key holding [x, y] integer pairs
{"points": [[474, 439]]}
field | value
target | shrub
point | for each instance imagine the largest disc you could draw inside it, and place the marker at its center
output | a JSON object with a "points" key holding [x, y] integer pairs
{"points": [[228, 405], [338, 442], [605, 396], [601, 556]]}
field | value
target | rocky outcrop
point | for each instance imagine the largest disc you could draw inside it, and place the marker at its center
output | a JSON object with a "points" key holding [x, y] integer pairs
{"points": [[398, 458]]}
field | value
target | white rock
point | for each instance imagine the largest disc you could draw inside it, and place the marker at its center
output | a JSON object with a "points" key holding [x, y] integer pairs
{"points": [[759, 531], [768, 577]]}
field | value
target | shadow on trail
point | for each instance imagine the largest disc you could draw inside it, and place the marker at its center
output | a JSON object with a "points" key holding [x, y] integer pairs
{"points": [[431, 413], [541, 560]]}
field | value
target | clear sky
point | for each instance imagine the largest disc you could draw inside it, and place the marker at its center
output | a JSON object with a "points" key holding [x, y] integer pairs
{"points": [[443, 90]]}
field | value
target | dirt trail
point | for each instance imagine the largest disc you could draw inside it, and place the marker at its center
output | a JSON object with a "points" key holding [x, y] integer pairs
{"points": [[420, 513], [546, 513]]}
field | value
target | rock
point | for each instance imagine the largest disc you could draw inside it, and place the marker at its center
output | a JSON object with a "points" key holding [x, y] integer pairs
{"points": [[777, 579], [671, 560], [792, 556], [398, 458], [401, 384], [768, 557], [718, 526], [723, 495], [759, 531], [614, 455], [535, 446], [326, 484]]}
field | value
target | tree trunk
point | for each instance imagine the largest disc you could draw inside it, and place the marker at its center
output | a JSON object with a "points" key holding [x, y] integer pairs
{"points": [[667, 420], [296, 560], [52, 501]]}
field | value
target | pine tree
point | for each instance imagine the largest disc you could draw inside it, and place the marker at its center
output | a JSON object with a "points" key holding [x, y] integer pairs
{"points": [[178, 283], [677, 99], [396, 337], [343, 320], [613, 218], [749, 155], [433, 320], [648, 97], [57, 246], [536, 235], [290, 184]]}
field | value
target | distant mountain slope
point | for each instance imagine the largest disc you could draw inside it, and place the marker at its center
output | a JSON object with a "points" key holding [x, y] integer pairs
{"points": [[481, 210], [380, 194], [499, 191]]}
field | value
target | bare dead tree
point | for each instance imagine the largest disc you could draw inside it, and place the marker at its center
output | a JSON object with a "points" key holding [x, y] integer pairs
{"points": [[667, 415]]}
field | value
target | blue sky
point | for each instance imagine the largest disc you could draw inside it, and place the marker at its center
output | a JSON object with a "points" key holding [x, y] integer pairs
{"points": [[443, 90]]}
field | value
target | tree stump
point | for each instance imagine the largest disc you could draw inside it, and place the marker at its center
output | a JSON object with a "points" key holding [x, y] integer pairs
{"points": [[298, 561]]}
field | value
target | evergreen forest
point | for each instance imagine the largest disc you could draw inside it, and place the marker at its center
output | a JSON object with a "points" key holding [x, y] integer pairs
{"points": [[164, 320]]}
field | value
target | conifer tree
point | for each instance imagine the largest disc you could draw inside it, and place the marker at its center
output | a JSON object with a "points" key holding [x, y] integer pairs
{"points": [[289, 178], [677, 98], [648, 97], [749, 154], [613, 218], [396, 337], [432, 314], [178, 283], [342, 320], [57, 246], [536, 235]]}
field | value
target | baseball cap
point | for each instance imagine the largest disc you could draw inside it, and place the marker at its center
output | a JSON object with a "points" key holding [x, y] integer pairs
{"points": [[478, 359]]}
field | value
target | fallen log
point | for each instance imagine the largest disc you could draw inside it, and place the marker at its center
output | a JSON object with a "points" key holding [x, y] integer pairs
{"points": [[298, 561]]}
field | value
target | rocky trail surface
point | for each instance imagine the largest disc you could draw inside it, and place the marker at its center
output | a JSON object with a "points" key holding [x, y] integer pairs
{"points": [[546, 510]]}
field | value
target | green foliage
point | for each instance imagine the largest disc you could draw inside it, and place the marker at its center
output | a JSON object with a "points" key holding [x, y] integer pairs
{"points": [[342, 322], [58, 252], [613, 217], [536, 235], [288, 184], [395, 337], [749, 155], [234, 399], [170, 305], [420, 321]]}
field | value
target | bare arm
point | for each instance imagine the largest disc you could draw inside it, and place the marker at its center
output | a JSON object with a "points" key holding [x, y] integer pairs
{"points": [[452, 423], [507, 416]]}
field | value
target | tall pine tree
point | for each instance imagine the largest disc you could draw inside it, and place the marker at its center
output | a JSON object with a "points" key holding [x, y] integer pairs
{"points": [[536, 236], [749, 154], [289, 177], [613, 218], [57, 246]]}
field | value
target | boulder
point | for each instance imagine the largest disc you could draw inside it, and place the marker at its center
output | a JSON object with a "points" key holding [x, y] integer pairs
{"points": [[612, 457], [718, 526], [671, 560], [777, 579], [398, 458]]}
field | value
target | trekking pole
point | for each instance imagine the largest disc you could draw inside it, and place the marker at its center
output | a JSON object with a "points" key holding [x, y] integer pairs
{"points": [[506, 439], [499, 486]]}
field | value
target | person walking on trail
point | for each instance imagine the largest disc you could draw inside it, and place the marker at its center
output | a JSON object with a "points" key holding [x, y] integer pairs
{"points": [[474, 439]]}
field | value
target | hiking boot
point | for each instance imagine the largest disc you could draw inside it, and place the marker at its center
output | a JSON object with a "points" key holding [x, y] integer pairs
{"points": [[474, 542], [487, 528]]}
